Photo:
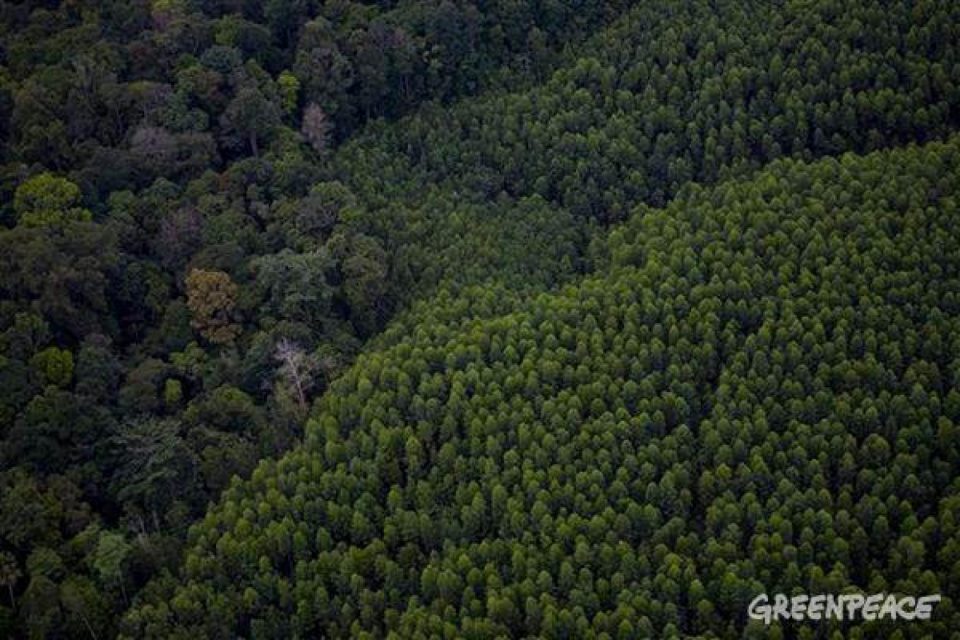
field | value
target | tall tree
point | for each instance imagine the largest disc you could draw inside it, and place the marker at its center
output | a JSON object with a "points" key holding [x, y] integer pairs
{"points": [[212, 299], [251, 116], [48, 200], [9, 574], [297, 370]]}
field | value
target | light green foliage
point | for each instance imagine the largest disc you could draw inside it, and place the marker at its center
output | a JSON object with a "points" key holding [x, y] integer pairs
{"points": [[110, 558], [54, 366], [289, 88], [46, 200], [172, 393]]}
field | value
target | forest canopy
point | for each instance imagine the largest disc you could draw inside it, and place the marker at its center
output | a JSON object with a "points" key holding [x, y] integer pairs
{"points": [[757, 391], [440, 318]]}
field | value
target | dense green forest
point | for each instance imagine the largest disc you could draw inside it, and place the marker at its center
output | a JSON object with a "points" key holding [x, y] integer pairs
{"points": [[475, 319], [759, 391]]}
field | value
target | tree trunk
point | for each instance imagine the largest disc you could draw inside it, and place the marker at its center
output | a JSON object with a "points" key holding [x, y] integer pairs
{"points": [[300, 395], [93, 634]]}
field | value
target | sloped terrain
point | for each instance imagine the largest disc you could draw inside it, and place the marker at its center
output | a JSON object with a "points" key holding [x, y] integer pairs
{"points": [[670, 93], [756, 393], [474, 319]]}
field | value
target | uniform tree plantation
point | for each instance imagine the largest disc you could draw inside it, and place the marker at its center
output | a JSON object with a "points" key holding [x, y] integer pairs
{"points": [[447, 319]]}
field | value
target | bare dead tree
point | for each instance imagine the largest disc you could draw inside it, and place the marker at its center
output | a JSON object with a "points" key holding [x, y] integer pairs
{"points": [[316, 128], [297, 367]]}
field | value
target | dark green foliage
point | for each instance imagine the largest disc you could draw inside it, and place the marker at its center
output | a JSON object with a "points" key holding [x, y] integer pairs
{"points": [[675, 92], [762, 374], [559, 426]]}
